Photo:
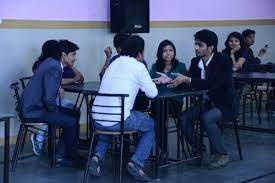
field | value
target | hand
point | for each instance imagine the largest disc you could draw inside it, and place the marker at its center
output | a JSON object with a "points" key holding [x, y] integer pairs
{"points": [[77, 78], [235, 49], [262, 51], [237, 65], [108, 52], [163, 79], [61, 92], [178, 80]]}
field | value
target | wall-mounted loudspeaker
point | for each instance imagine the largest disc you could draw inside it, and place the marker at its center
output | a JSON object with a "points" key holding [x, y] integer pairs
{"points": [[129, 16]]}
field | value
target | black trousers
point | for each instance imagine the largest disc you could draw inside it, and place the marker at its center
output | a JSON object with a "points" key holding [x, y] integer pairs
{"points": [[68, 119]]}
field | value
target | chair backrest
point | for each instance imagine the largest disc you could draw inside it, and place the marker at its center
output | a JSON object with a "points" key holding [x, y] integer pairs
{"points": [[104, 117], [24, 81], [14, 86]]}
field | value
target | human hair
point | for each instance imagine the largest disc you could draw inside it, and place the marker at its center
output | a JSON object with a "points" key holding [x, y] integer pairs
{"points": [[119, 39], [133, 46], [208, 37], [68, 46], [50, 48], [236, 35], [247, 32], [160, 62]]}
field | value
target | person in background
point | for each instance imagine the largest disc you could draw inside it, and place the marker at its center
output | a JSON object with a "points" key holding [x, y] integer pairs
{"points": [[212, 71], [69, 75], [118, 42], [249, 39], [167, 64], [126, 75], [236, 51]]}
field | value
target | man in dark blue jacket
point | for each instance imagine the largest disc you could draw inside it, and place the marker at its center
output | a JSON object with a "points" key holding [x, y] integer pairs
{"points": [[38, 103], [212, 71]]}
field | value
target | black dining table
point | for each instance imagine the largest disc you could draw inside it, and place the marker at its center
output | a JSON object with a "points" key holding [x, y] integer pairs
{"points": [[162, 158], [162, 100], [5, 118], [255, 77], [84, 91]]}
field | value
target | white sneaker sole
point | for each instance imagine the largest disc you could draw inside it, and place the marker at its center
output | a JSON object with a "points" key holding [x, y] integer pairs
{"points": [[33, 146]]}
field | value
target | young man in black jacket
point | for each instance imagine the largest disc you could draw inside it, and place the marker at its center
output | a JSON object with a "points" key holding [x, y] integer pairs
{"points": [[212, 71], [249, 39]]}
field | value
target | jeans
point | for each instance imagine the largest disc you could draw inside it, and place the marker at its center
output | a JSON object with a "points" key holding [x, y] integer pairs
{"points": [[208, 120], [137, 121]]}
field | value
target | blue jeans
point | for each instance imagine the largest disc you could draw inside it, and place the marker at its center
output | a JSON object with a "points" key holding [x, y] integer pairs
{"points": [[208, 120], [137, 121]]}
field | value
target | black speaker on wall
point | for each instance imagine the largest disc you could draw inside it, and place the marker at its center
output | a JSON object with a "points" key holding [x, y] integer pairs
{"points": [[129, 16]]}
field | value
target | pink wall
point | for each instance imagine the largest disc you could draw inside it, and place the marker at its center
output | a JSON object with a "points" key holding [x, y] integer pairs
{"points": [[179, 10]]}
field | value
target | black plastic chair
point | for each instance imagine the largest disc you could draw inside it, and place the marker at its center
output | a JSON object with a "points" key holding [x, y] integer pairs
{"points": [[116, 137], [27, 126], [234, 124], [24, 81]]}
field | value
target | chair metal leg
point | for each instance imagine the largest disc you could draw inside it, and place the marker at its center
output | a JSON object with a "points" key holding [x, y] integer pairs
{"points": [[260, 103], [178, 144], [24, 139], [121, 157], [182, 143], [251, 106], [244, 109], [180, 140], [53, 145], [258, 109], [89, 160], [18, 146], [113, 149], [183, 139], [238, 140], [178, 137]]}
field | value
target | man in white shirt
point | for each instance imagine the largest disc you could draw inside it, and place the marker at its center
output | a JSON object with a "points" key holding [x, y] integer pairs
{"points": [[126, 76]]}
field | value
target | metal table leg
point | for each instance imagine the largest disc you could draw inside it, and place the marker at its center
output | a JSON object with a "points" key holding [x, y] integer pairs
{"points": [[7, 150]]}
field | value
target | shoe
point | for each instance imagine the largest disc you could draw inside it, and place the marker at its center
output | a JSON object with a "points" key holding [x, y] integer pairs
{"points": [[137, 172], [64, 162], [36, 145], [76, 161], [95, 167], [218, 161]]}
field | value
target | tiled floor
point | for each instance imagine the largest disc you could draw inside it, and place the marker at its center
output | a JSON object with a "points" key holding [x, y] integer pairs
{"points": [[259, 161]]}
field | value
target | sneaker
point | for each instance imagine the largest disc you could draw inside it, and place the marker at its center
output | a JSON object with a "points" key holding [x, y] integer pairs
{"points": [[218, 161], [95, 167], [137, 172], [36, 145]]}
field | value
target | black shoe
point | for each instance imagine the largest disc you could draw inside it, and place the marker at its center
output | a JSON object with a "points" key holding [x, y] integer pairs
{"points": [[64, 162], [76, 161], [137, 172], [95, 167]]}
